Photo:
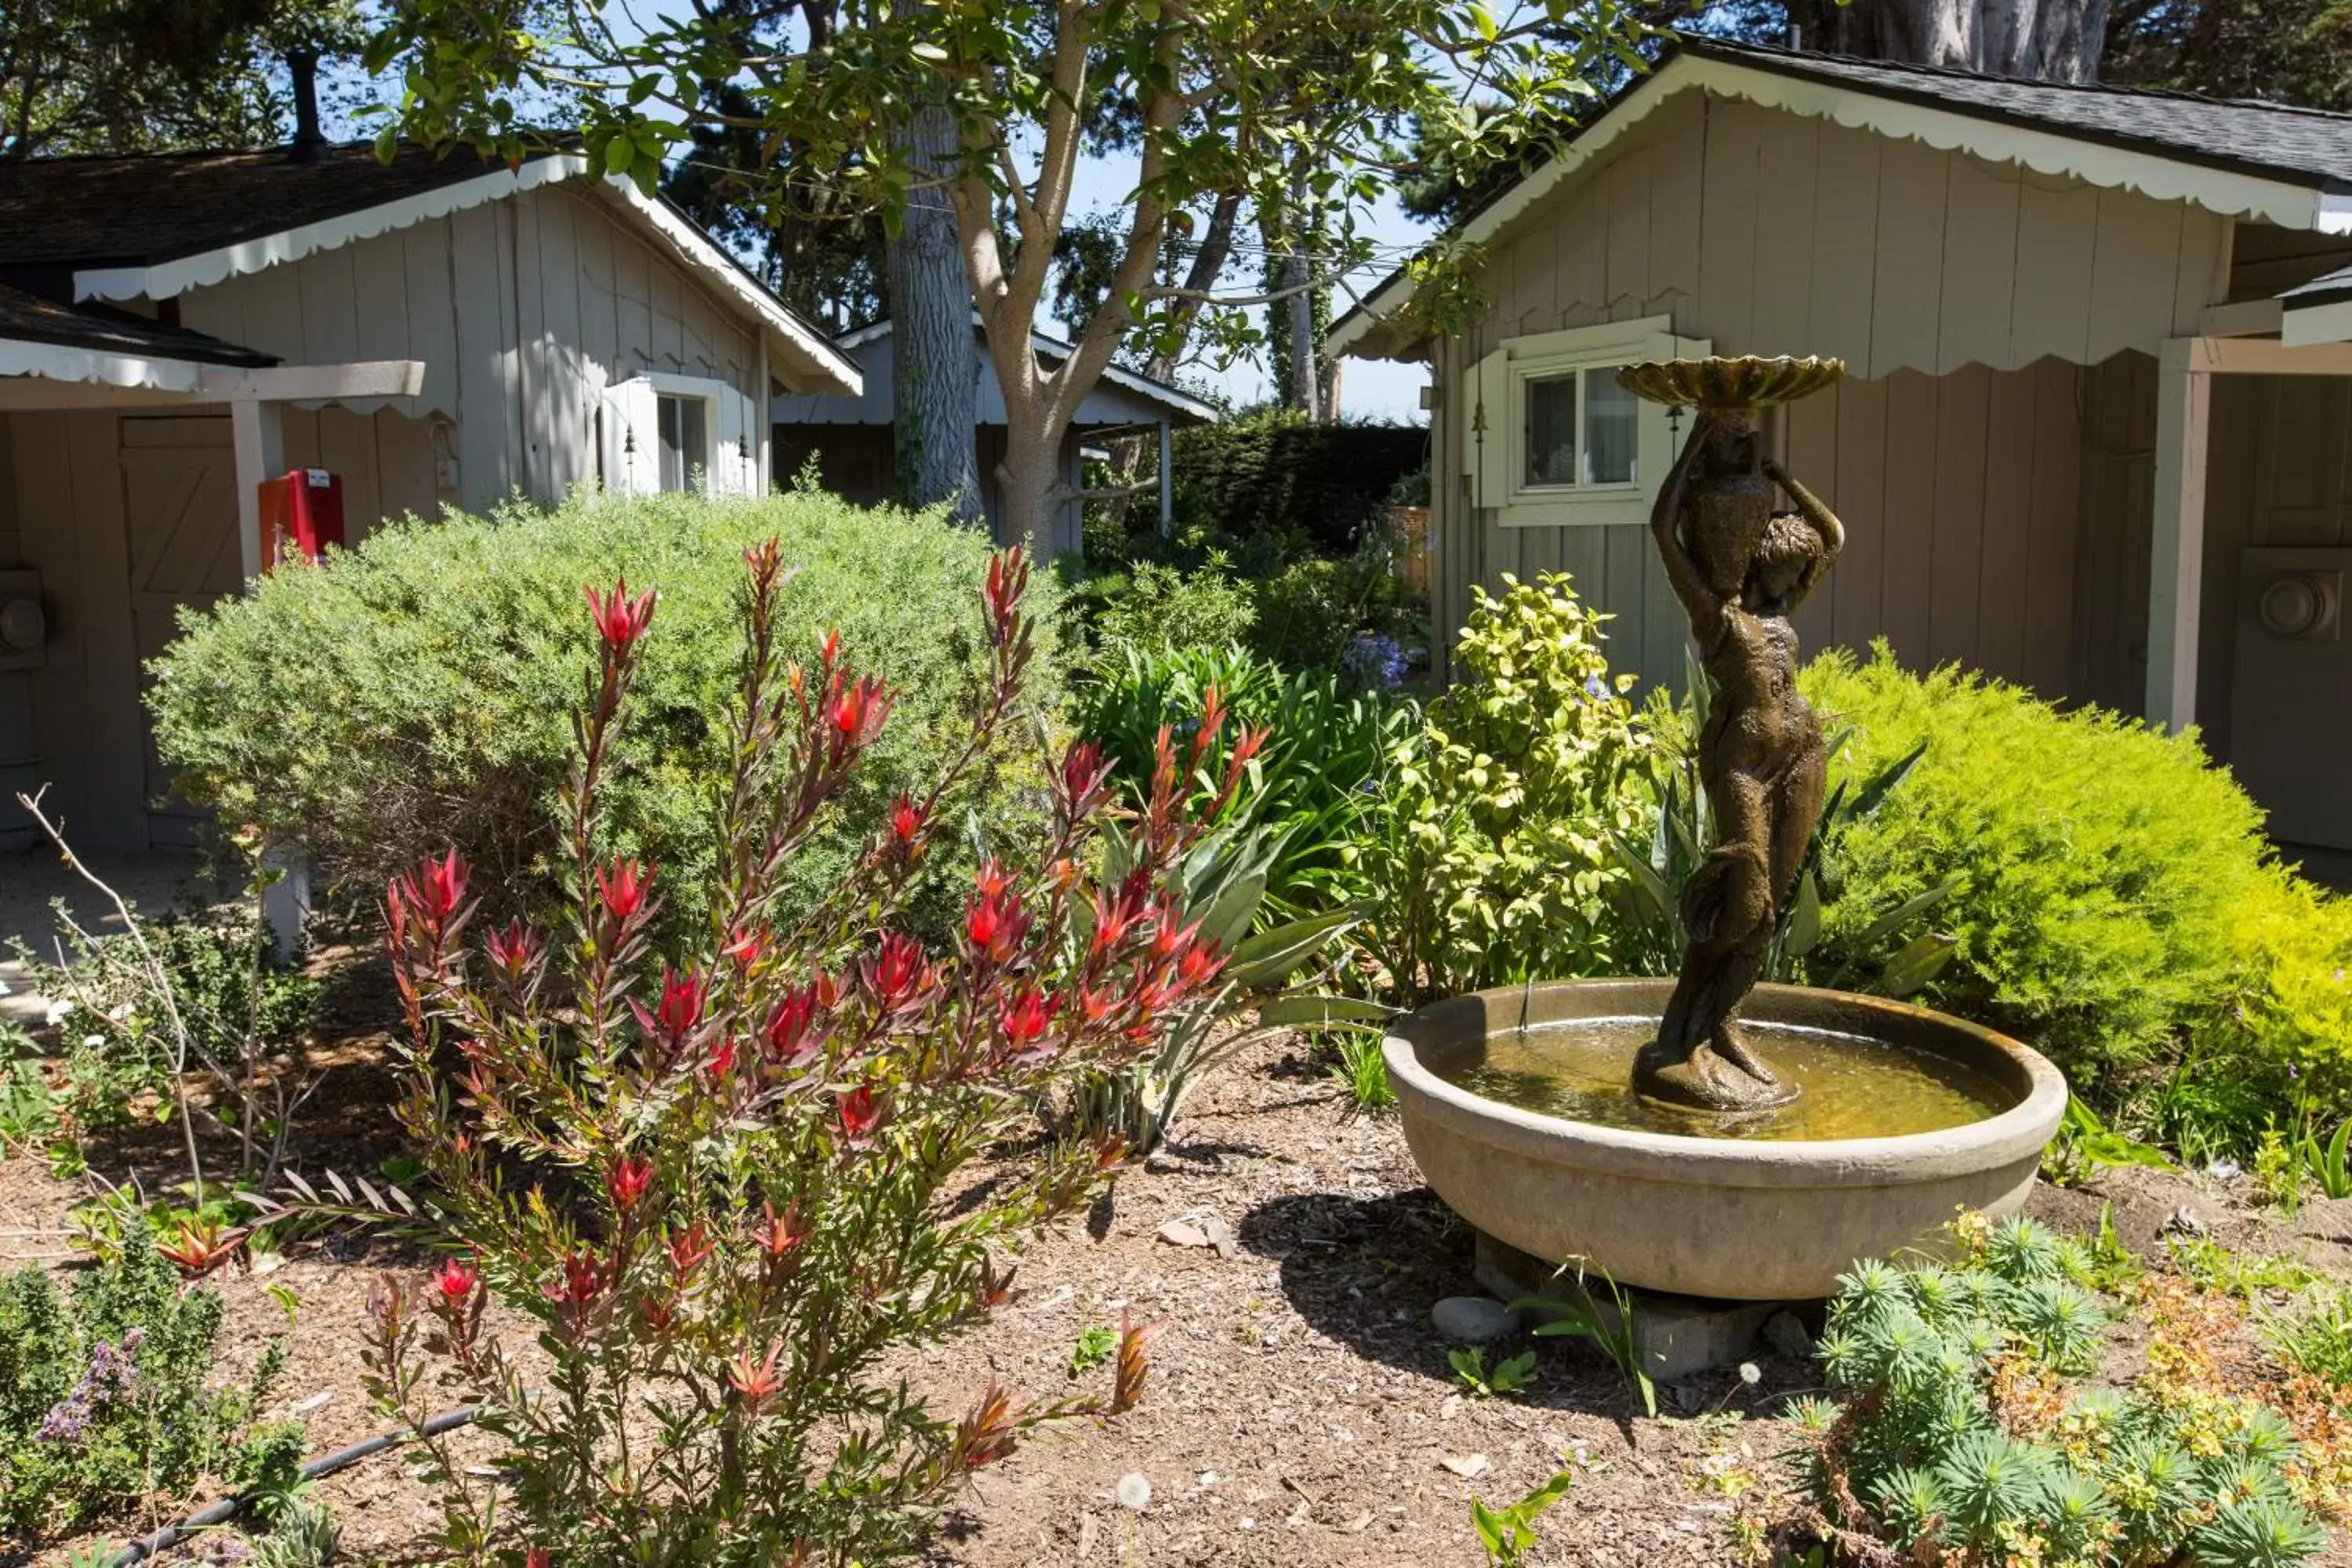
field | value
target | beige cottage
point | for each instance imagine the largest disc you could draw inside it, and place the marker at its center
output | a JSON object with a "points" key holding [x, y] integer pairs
{"points": [[175, 329], [2095, 434]]}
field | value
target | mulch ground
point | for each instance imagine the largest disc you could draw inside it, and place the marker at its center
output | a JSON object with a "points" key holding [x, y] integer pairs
{"points": [[1300, 1409]]}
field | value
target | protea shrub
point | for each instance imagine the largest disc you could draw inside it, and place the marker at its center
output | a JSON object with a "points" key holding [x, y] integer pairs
{"points": [[733, 1190]]}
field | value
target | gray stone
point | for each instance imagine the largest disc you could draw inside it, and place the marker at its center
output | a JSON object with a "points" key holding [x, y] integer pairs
{"points": [[1675, 1336], [1785, 1334], [1473, 1319]]}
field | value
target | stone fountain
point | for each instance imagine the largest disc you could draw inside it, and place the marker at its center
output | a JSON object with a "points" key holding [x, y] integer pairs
{"points": [[1710, 1137]]}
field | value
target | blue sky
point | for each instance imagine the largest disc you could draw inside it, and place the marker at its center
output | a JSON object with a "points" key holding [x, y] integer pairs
{"points": [[1370, 389]]}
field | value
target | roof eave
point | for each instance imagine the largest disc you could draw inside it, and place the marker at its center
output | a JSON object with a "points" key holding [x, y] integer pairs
{"points": [[2274, 197]]}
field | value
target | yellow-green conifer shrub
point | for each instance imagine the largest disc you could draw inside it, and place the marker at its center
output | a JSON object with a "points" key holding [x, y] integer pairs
{"points": [[2120, 908]]}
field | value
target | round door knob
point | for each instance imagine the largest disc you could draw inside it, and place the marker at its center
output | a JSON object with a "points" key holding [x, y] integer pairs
{"points": [[2296, 605], [22, 625]]}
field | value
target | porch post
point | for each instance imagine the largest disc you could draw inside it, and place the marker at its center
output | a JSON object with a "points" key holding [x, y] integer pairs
{"points": [[1167, 482], [2176, 550], [258, 431]]}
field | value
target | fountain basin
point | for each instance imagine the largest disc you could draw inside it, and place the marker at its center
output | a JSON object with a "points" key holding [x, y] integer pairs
{"points": [[1711, 1217]]}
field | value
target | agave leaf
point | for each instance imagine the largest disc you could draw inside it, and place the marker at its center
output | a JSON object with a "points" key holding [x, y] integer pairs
{"points": [[1907, 912], [1323, 1008], [1922, 959], [1887, 781], [1805, 927], [1271, 957]]}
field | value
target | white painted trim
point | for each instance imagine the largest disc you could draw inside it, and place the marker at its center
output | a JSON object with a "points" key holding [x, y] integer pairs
{"points": [[804, 346], [2176, 574], [59, 362], [2316, 324], [1118, 376], [2270, 200], [299, 383], [166, 279]]}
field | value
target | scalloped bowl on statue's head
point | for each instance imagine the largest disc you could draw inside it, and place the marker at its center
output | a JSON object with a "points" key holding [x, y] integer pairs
{"points": [[1751, 382]]}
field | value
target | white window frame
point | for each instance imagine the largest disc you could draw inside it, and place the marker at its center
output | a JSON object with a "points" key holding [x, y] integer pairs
{"points": [[632, 435], [1494, 448]]}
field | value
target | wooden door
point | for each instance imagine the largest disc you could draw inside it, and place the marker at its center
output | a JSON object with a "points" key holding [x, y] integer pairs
{"points": [[179, 496]]}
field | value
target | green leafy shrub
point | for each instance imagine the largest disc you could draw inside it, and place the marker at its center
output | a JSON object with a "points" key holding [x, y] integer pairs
{"points": [[417, 691], [1308, 786], [726, 1190], [1310, 611], [1970, 1423], [1491, 853], [1274, 471], [1159, 610], [104, 1402], [2117, 903]]}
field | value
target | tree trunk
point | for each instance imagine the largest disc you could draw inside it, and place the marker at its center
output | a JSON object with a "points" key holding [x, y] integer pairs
{"points": [[1302, 387], [1207, 265], [1031, 471], [2052, 40], [935, 386]]}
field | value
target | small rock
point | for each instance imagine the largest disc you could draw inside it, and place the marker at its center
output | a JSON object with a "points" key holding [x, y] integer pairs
{"points": [[1176, 1232], [1451, 1408], [1473, 1319], [1787, 1335], [1465, 1465], [1220, 1235], [1133, 1491]]}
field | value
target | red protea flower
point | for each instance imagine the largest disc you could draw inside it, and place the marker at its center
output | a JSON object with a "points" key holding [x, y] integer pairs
{"points": [[623, 886], [682, 1000], [1084, 772], [457, 1280], [995, 924], [1248, 744], [659, 1316], [722, 1057], [1024, 1018], [1008, 579], [854, 710], [513, 948], [896, 971], [582, 1283], [689, 1249], [828, 990], [538, 1557], [629, 1180], [779, 1235], [749, 946], [860, 1113], [1134, 1364], [990, 1432], [991, 881], [907, 820], [443, 885], [790, 1039], [1199, 964], [202, 1246], [994, 1289], [829, 649], [621, 620], [757, 1383]]}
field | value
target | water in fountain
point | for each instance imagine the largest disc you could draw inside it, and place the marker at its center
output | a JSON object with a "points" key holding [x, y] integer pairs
{"points": [[1580, 1069]]}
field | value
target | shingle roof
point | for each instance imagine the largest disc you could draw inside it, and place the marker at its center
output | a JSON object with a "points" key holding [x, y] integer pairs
{"points": [[142, 209], [2304, 145], [30, 318]]}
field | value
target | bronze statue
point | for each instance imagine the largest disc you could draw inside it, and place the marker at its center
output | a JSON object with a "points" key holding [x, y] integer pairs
{"points": [[1740, 567]]}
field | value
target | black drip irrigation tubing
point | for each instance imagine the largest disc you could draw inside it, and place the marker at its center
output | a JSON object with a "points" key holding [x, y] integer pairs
{"points": [[221, 1512]]}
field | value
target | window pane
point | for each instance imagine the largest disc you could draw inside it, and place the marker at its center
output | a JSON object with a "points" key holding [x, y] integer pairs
{"points": [[669, 415], [694, 440], [1610, 416], [1552, 431]]}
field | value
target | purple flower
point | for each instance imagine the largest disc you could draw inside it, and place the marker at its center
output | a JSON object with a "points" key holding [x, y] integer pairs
{"points": [[110, 1374], [1596, 689], [1374, 658]]}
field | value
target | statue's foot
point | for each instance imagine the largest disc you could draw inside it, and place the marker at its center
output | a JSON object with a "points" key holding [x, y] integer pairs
{"points": [[1707, 1080], [1733, 1048]]}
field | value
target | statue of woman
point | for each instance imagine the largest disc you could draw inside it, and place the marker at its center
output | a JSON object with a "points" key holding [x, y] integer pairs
{"points": [[1740, 569]]}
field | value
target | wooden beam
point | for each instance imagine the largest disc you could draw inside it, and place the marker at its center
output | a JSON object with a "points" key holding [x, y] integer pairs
{"points": [[2184, 391], [2265, 356], [2246, 319], [2316, 324], [256, 432], [321, 383]]}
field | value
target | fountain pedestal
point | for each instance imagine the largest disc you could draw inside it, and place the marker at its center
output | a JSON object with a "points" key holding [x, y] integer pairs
{"points": [[1675, 1336]]}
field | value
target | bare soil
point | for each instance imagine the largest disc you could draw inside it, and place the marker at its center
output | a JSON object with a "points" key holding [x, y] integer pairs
{"points": [[1300, 1408]]}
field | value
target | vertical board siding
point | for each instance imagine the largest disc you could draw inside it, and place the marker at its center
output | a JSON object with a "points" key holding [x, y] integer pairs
{"points": [[1986, 525]]}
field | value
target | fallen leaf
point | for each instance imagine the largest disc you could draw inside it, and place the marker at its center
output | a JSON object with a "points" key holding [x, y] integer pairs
{"points": [[1467, 1466]]}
